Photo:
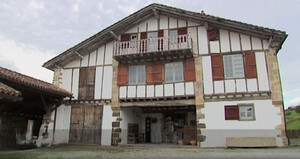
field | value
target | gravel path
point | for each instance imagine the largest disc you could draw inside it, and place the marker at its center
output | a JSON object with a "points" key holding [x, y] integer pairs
{"points": [[151, 151]]}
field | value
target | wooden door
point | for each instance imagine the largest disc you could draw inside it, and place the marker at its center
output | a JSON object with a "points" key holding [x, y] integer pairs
{"points": [[86, 123], [152, 41], [148, 129]]}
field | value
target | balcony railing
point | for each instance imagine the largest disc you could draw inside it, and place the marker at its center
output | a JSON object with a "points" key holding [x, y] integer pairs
{"points": [[160, 44]]}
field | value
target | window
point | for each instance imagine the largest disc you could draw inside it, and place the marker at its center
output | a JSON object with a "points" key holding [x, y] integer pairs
{"points": [[137, 74], [86, 83], [246, 112], [239, 112], [233, 66], [174, 72]]}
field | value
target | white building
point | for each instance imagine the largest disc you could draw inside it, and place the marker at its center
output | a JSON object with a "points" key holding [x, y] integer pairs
{"points": [[165, 74]]}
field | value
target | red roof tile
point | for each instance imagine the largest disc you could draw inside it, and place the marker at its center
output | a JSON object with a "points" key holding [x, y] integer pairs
{"points": [[13, 76], [5, 89]]}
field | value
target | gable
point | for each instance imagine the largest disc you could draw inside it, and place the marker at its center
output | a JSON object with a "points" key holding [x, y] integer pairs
{"points": [[155, 11]]}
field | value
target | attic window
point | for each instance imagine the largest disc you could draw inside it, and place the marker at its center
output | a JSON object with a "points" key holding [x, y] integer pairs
{"points": [[213, 34]]}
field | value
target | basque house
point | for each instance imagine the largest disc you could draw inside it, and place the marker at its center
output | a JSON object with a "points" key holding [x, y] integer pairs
{"points": [[168, 75]]}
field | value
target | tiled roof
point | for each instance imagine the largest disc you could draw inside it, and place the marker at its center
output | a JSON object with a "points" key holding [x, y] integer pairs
{"points": [[119, 27], [5, 89], [6, 74]]}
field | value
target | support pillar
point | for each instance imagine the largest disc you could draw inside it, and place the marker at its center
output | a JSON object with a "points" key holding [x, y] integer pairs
{"points": [[276, 92], [199, 99], [115, 106]]}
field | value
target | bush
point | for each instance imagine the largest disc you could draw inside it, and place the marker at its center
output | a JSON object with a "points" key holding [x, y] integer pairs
{"points": [[297, 109], [288, 112]]}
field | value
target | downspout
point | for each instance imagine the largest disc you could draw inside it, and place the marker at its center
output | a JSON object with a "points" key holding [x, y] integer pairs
{"points": [[54, 125]]}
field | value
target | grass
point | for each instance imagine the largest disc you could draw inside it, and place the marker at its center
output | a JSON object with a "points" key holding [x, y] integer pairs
{"points": [[292, 120]]}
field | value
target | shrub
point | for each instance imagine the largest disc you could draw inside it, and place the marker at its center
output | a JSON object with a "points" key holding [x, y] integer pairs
{"points": [[288, 112], [297, 109]]}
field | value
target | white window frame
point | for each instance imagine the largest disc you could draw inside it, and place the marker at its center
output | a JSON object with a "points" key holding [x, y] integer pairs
{"points": [[173, 73], [137, 77], [246, 112], [233, 66]]}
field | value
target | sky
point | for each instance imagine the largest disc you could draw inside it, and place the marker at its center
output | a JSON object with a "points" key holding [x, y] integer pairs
{"points": [[34, 31]]}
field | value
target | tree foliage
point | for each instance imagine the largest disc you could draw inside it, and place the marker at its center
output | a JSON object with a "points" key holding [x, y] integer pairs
{"points": [[297, 109]]}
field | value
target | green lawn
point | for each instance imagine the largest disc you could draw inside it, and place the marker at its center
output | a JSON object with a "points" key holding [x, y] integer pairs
{"points": [[292, 120]]}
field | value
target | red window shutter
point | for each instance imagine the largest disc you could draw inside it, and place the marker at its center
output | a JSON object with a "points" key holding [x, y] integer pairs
{"points": [[217, 66], [122, 75], [182, 31], [160, 33], [189, 70], [125, 37], [160, 41], [157, 72], [231, 112], [250, 64], [150, 73], [212, 35], [143, 35]]}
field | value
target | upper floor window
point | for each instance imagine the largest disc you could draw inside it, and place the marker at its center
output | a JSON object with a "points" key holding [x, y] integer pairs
{"points": [[233, 66], [174, 72], [86, 83], [241, 65], [157, 72], [137, 74]]}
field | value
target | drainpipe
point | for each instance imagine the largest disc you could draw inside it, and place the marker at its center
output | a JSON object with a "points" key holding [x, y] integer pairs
{"points": [[54, 125]]}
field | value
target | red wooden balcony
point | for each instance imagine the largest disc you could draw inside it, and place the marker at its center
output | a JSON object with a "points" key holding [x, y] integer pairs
{"points": [[153, 48]]}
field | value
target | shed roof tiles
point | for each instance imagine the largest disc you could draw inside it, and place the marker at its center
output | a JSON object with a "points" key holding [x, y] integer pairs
{"points": [[9, 75]]}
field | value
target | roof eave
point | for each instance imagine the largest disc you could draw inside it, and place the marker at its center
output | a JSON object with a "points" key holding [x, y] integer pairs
{"points": [[262, 32]]}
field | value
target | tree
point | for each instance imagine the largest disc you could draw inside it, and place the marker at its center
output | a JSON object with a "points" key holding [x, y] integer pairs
{"points": [[297, 109]]}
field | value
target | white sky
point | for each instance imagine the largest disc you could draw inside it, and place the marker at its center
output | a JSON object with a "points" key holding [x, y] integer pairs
{"points": [[34, 31]]}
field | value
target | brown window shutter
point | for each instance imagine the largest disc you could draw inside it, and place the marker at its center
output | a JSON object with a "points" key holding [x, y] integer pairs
{"points": [[217, 66], [182, 31], [143, 35], [160, 33], [160, 42], [231, 112], [212, 35], [157, 72], [125, 37], [86, 83], [189, 70], [149, 73], [250, 64], [122, 75], [83, 73]]}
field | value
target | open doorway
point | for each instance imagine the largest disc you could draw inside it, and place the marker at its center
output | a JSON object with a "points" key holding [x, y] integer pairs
{"points": [[157, 125]]}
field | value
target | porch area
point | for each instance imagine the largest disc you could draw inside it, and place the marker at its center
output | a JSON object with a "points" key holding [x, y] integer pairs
{"points": [[158, 125]]}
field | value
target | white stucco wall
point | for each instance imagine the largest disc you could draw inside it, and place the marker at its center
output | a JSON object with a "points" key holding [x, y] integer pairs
{"points": [[217, 128], [107, 120], [62, 126]]}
